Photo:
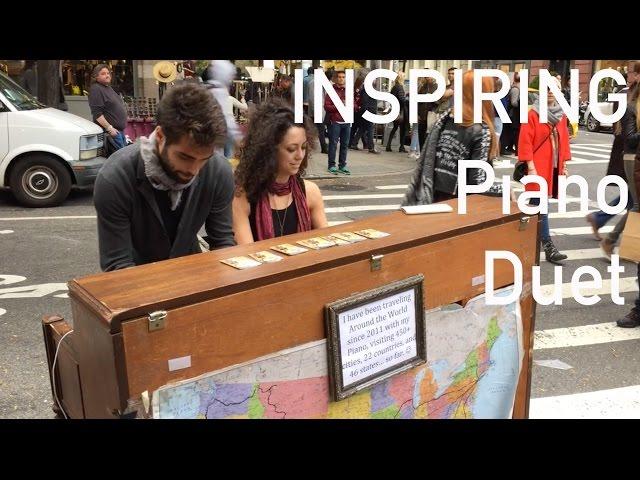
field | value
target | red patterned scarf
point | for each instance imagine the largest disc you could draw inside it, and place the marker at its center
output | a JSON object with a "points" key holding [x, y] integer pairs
{"points": [[264, 218]]}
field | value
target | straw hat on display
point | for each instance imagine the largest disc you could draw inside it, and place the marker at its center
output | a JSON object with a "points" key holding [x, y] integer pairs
{"points": [[165, 72]]}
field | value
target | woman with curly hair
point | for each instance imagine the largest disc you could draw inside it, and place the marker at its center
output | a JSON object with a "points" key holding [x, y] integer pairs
{"points": [[271, 198]]}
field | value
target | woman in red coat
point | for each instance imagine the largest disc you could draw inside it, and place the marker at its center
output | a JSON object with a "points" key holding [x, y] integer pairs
{"points": [[545, 148]]}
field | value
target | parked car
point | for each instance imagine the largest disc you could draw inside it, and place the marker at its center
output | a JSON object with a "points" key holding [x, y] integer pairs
{"points": [[44, 151], [591, 123]]}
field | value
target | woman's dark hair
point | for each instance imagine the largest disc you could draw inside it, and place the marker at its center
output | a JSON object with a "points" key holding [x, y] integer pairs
{"points": [[189, 109], [258, 165], [96, 71]]}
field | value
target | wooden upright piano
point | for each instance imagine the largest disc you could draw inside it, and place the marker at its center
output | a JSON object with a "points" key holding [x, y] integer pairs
{"points": [[129, 324]]}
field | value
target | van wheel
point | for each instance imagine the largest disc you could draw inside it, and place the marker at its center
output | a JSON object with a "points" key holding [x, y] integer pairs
{"points": [[40, 181], [592, 124]]}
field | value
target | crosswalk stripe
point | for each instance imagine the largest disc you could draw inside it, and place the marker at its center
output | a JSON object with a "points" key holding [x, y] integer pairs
{"points": [[503, 165], [584, 161], [590, 147], [392, 187], [589, 153], [579, 230], [569, 200], [363, 197], [583, 335], [574, 161], [627, 284], [361, 208], [601, 145], [582, 254], [575, 214], [613, 403]]}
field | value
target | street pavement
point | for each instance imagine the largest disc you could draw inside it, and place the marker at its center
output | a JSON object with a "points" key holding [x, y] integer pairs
{"points": [[599, 376]]}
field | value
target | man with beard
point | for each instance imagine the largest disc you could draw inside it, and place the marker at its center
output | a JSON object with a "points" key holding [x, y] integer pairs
{"points": [[153, 197]]}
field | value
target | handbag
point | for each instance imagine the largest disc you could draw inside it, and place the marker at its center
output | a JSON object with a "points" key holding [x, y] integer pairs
{"points": [[519, 171]]}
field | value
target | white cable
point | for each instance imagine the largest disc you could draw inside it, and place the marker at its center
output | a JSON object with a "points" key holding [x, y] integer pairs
{"points": [[53, 374]]}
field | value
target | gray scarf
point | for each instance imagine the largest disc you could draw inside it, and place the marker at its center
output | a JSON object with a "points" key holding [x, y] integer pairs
{"points": [[156, 173], [554, 112]]}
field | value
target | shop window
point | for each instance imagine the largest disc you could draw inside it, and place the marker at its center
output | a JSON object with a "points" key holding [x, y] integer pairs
{"points": [[76, 76]]}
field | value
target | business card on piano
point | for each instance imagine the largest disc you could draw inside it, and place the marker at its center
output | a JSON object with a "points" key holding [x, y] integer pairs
{"points": [[431, 208], [349, 237], [241, 262], [336, 240], [289, 249], [265, 257], [316, 243], [372, 233]]}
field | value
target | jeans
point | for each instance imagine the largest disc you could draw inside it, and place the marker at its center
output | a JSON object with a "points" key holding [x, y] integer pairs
{"points": [[415, 144], [338, 131], [112, 144], [545, 236], [403, 128], [602, 218], [120, 140], [497, 125], [367, 136]]}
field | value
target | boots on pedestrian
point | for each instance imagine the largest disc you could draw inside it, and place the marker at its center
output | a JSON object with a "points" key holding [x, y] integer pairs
{"points": [[551, 252], [631, 320], [591, 220], [607, 247]]}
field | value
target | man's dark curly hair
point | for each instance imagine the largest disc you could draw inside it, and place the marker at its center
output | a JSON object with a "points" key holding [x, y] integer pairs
{"points": [[258, 164], [189, 109]]}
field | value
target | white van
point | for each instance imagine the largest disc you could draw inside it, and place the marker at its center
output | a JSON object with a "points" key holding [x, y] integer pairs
{"points": [[43, 151]]}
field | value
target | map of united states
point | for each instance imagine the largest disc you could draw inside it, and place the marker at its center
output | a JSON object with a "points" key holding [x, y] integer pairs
{"points": [[473, 354]]}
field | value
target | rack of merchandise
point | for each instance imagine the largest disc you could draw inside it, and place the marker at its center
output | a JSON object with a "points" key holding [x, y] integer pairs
{"points": [[141, 113]]}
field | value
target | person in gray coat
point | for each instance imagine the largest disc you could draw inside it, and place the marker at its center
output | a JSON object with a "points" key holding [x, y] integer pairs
{"points": [[153, 197]]}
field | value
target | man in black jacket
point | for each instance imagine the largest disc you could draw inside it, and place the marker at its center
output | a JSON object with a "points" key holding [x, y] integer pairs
{"points": [[153, 197]]}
